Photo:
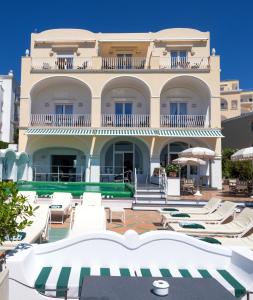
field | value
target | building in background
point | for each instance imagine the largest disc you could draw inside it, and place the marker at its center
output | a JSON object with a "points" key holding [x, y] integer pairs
{"points": [[238, 131], [234, 101], [98, 106], [9, 107]]}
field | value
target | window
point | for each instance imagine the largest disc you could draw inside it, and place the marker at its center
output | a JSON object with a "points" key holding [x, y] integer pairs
{"points": [[223, 104], [234, 104], [222, 88], [179, 59], [64, 109], [234, 86], [65, 60], [178, 108], [124, 61]]}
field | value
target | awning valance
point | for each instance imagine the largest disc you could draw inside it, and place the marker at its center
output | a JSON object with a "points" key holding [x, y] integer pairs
{"points": [[126, 132]]}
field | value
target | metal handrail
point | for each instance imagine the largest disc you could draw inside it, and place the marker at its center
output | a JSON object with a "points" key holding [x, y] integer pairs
{"points": [[65, 290]]}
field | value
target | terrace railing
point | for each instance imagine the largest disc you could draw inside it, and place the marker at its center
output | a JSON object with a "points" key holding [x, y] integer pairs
{"points": [[185, 63], [123, 63], [61, 63], [182, 121], [61, 120], [113, 120]]}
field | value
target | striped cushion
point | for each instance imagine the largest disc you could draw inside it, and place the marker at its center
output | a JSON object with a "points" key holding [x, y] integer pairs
{"points": [[222, 276], [60, 278]]}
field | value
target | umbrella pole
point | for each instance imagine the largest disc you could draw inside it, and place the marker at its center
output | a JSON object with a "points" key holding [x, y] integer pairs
{"points": [[198, 190], [251, 196]]}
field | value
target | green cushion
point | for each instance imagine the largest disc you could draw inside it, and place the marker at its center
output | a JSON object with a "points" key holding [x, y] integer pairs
{"points": [[124, 272], [165, 273], [169, 209], [192, 225], [18, 237], [239, 289], [180, 215], [41, 280], [55, 206], [210, 240], [63, 280], [185, 273], [146, 273], [105, 272], [204, 273]]}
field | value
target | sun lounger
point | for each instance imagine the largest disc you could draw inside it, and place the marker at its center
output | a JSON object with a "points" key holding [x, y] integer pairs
{"points": [[225, 211], [91, 199], [238, 227], [88, 219], [246, 241], [210, 207], [60, 205], [33, 233], [31, 196]]}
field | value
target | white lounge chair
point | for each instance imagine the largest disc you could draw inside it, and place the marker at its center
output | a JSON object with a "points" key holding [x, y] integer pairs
{"points": [[35, 232], [60, 205], [31, 196], [246, 241], [91, 199], [210, 207], [225, 211], [238, 227], [88, 219]]}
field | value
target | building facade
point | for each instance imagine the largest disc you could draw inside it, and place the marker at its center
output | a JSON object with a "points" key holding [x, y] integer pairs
{"points": [[95, 106], [9, 107], [234, 101]]}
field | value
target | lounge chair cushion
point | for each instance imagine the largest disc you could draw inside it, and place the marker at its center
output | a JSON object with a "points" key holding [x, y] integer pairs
{"points": [[191, 225]]}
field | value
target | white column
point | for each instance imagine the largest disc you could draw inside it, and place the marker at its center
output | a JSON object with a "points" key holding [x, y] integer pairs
{"points": [[155, 112], [94, 163], [154, 163], [96, 111], [30, 171], [1, 169], [216, 173]]}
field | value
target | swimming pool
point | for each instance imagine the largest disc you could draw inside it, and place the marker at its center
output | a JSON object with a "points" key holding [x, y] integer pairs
{"points": [[46, 188]]}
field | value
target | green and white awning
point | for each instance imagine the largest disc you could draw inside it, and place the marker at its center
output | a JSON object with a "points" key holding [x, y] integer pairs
{"points": [[126, 132]]}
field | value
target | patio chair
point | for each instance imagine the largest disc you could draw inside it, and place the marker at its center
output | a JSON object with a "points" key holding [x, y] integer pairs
{"points": [[225, 211], [60, 205], [187, 185], [238, 227], [91, 199], [88, 219], [37, 231], [31, 196], [210, 207]]}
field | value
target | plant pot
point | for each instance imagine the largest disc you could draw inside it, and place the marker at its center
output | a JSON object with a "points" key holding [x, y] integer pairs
{"points": [[172, 174]]}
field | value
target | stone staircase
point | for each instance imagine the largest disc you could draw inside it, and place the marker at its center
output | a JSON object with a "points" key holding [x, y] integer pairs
{"points": [[148, 194]]}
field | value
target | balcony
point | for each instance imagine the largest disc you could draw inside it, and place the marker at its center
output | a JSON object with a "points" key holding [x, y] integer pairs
{"points": [[112, 120], [184, 121], [185, 63], [48, 64], [123, 63], [53, 120]]}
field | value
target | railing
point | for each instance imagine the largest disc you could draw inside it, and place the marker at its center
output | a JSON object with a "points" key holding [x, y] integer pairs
{"points": [[61, 63], [183, 121], [112, 120], [185, 63], [55, 120], [123, 63]]}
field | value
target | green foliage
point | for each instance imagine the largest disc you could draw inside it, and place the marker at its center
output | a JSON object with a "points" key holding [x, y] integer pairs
{"points": [[172, 168], [3, 145], [15, 211], [242, 170]]}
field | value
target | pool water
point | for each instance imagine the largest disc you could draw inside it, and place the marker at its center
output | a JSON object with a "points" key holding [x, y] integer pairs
{"points": [[44, 189]]}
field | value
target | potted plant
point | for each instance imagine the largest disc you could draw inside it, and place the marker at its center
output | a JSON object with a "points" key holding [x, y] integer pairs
{"points": [[15, 212], [172, 170]]}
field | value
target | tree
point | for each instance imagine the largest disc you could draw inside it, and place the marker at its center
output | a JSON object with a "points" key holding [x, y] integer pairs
{"points": [[15, 211], [235, 169]]}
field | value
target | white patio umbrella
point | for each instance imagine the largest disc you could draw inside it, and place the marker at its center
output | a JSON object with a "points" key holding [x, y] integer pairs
{"points": [[199, 152], [191, 161], [244, 155]]}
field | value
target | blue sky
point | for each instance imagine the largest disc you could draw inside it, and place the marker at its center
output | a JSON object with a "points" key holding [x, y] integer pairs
{"points": [[230, 24]]}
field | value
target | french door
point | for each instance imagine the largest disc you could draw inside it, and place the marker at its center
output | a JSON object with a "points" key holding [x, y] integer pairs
{"points": [[124, 61], [178, 111], [178, 59], [123, 112], [63, 114]]}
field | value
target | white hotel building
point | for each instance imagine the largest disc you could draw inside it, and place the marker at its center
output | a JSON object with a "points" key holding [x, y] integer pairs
{"points": [[95, 105]]}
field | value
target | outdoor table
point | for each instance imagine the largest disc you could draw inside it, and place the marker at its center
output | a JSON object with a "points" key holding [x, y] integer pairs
{"points": [[139, 288]]}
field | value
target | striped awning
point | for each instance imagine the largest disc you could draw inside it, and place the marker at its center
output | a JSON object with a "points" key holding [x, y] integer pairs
{"points": [[126, 132]]}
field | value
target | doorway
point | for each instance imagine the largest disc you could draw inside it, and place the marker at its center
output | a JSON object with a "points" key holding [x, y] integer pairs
{"points": [[63, 167]]}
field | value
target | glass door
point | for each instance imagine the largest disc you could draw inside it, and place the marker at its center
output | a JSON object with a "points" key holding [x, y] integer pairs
{"points": [[178, 59], [178, 110], [124, 61], [123, 113], [63, 114]]}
